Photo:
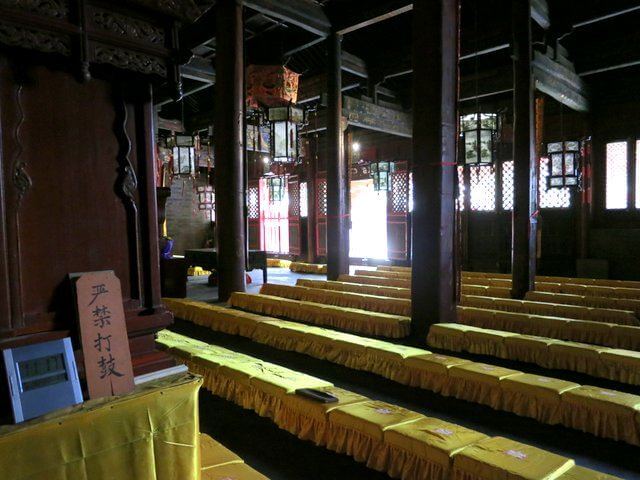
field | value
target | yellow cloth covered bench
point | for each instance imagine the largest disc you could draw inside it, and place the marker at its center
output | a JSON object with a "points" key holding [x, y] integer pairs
{"points": [[535, 396], [350, 319], [604, 413], [578, 312], [381, 281], [299, 267], [584, 331], [381, 291], [384, 274], [485, 290], [589, 290], [392, 306], [500, 458], [393, 268], [427, 447], [478, 383], [589, 301]]}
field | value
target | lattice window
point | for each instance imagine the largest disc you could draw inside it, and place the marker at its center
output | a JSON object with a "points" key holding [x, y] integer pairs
{"points": [[507, 185], [617, 192], [399, 192], [551, 197], [637, 173], [254, 204], [304, 199], [294, 198], [461, 188], [483, 188], [410, 205], [321, 198]]}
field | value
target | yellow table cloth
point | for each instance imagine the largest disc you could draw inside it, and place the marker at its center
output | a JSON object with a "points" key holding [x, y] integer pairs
{"points": [[308, 419], [150, 433], [621, 365], [449, 336], [430, 372], [478, 382], [424, 449], [358, 430], [579, 357], [535, 396], [498, 458], [602, 412], [213, 453], [581, 473], [486, 341], [236, 471], [529, 348]]}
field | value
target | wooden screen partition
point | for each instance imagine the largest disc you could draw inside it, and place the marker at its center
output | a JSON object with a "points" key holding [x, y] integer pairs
{"points": [[321, 215], [77, 190], [397, 213], [293, 188], [253, 213]]}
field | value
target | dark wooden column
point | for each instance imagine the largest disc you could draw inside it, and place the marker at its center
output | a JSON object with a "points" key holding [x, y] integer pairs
{"points": [[337, 183], [525, 184], [435, 71], [229, 123]]}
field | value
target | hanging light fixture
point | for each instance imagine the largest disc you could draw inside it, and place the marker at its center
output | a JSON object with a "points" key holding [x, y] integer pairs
{"points": [[184, 154], [564, 157], [284, 133], [381, 173], [478, 133], [276, 187]]}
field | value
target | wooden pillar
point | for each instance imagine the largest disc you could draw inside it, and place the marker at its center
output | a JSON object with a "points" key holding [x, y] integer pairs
{"points": [[525, 184], [228, 132], [311, 200], [337, 182], [435, 72]]}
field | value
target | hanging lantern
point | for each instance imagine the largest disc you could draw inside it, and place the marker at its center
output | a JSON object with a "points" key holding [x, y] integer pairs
{"points": [[184, 155], [276, 186], [564, 158], [284, 133], [381, 173], [478, 134]]}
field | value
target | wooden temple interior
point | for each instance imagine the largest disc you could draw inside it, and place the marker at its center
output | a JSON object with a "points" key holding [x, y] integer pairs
{"points": [[319, 239]]}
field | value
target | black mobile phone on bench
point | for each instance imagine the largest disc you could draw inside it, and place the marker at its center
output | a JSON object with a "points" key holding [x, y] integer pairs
{"points": [[317, 395]]}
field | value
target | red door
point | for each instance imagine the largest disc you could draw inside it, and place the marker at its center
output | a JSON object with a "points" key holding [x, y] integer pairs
{"points": [[397, 212]]}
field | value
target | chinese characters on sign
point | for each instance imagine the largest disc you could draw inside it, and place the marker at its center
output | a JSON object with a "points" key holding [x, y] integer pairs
{"points": [[103, 331]]}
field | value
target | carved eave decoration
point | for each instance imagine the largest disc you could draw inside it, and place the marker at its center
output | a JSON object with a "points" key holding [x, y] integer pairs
{"points": [[134, 35]]}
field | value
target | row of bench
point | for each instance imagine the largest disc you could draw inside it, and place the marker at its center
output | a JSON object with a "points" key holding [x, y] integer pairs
{"points": [[343, 318], [613, 364], [386, 437], [583, 331], [606, 413]]}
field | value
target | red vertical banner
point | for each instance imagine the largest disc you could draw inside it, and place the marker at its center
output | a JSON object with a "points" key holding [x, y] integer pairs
{"points": [[321, 216], [253, 214], [397, 213], [293, 188], [103, 331]]}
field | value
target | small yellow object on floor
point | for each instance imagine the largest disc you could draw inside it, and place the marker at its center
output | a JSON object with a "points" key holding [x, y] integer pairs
{"points": [[278, 263], [197, 272], [300, 267], [500, 458]]}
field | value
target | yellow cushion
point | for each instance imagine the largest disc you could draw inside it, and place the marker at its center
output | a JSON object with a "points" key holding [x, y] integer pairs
{"points": [[319, 410], [537, 386], [372, 417], [213, 453], [609, 400], [486, 335], [235, 471], [394, 352], [588, 329], [432, 439], [498, 458], [482, 372], [581, 473], [434, 363], [628, 336], [583, 350]]}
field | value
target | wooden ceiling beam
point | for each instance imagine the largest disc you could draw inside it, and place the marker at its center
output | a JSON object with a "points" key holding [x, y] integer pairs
{"points": [[375, 16], [304, 14]]}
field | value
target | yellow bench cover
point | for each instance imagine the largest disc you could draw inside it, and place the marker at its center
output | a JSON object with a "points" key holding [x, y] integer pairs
{"points": [[239, 471], [381, 281], [430, 371], [300, 267], [581, 473], [213, 453], [498, 458], [478, 382], [394, 292]]}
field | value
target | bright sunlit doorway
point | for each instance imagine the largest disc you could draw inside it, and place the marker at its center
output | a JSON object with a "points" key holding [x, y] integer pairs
{"points": [[368, 234]]}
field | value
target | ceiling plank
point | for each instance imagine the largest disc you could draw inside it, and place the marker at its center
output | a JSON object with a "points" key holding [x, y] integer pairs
{"points": [[305, 14], [373, 17]]}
